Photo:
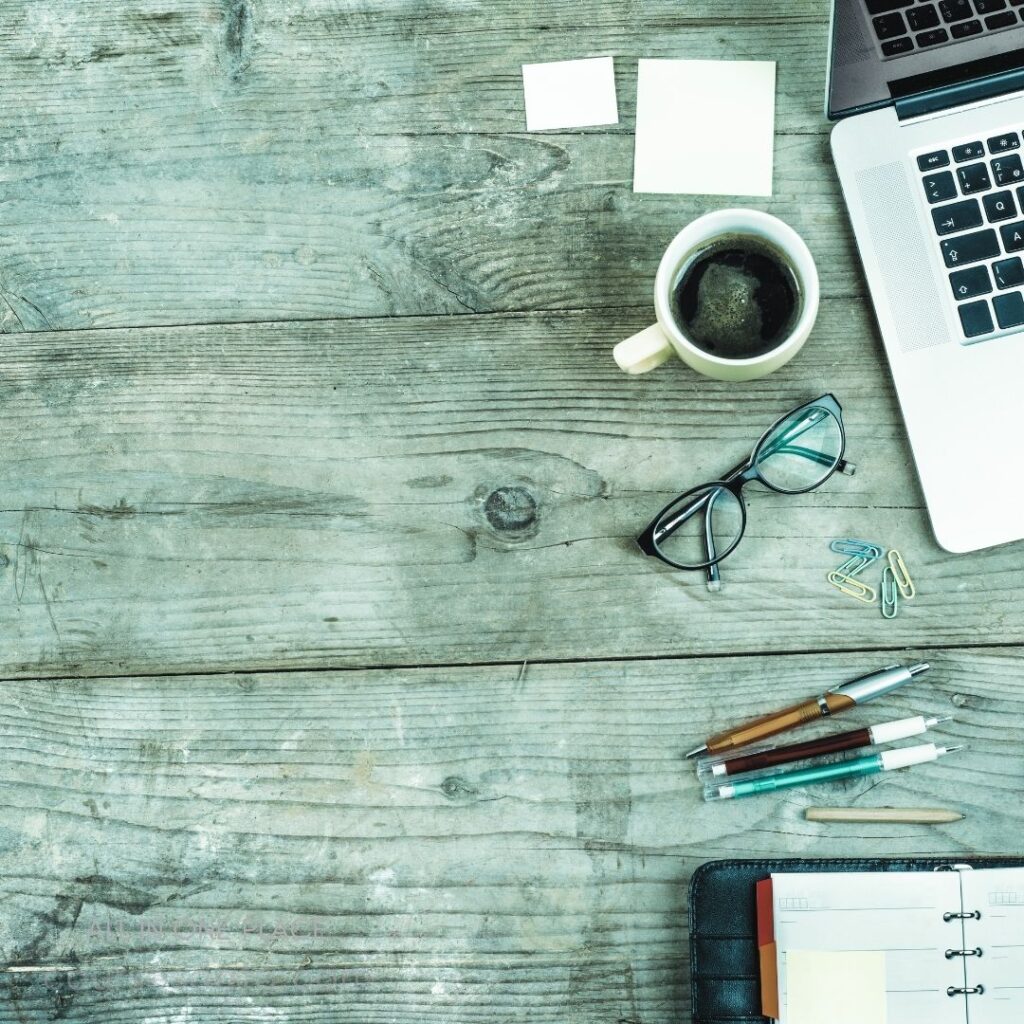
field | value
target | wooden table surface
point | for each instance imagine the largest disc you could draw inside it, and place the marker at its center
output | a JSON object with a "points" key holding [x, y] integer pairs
{"points": [[335, 688]]}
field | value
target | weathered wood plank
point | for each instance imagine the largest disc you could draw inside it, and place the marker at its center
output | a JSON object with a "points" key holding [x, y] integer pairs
{"points": [[433, 491], [231, 161], [463, 844]]}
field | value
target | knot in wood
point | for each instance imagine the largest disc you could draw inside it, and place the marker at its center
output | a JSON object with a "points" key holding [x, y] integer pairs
{"points": [[511, 509]]}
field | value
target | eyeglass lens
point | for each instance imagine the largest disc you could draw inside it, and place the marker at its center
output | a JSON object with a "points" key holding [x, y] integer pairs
{"points": [[701, 527], [801, 451]]}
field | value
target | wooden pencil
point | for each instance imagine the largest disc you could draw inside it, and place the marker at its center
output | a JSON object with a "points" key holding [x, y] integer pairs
{"points": [[904, 815]]}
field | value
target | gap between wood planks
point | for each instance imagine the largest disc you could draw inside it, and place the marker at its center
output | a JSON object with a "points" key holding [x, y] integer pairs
{"points": [[523, 665]]}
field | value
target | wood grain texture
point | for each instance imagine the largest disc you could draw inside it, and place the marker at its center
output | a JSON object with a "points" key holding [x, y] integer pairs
{"points": [[434, 491], [476, 844], [212, 161]]}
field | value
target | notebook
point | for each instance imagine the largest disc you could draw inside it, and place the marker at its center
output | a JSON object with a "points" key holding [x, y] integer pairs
{"points": [[940, 947]]}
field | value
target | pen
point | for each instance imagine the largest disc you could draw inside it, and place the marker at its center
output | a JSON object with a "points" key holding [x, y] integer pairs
{"points": [[831, 702], [885, 732], [887, 761]]}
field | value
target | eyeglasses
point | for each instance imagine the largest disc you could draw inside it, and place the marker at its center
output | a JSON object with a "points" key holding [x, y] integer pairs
{"points": [[797, 453]]}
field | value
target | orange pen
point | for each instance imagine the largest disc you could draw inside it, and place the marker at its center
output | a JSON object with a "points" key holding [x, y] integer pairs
{"points": [[829, 703]]}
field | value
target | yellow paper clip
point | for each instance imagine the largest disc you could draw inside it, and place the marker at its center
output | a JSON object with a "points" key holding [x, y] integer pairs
{"points": [[890, 594], [900, 575], [852, 587]]}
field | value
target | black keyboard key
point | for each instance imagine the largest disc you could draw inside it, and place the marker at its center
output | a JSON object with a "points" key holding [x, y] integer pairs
{"points": [[1016, 3], [883, 6], [1008, 170], [894, 47], [968, 151], [976, 319], [964, 249], [1009, 309], [974, 178], [940, 158], [1008, 273], [957, 217], [998, 21], [932, 37], [999, 206], [1013, 236], [939, 187], [964, 29], [889, 25], [955, 10], [921, 18], [989, 6], [968, 284], [1001, 143]]}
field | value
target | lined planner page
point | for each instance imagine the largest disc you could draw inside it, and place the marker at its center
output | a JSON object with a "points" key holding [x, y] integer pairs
{"points": [[998, 894], [899, 914]]}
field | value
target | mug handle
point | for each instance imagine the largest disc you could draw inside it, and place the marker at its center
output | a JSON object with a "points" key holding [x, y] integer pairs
{"points": [[643, 351]]}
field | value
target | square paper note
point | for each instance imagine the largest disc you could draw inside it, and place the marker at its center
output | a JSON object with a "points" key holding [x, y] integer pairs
{"points": [[570, 94], [837, 988], [705, 127]]}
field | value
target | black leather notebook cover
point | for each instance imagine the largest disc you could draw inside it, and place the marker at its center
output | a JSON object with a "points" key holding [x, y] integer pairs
{"points": [[723, 926]]}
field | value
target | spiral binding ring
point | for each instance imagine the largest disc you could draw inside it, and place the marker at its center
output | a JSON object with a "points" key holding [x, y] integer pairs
{"points": [[950, 953], [950, 915], [976, 990]]}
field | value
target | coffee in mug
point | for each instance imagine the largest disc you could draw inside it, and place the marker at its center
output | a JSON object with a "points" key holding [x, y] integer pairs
{"points": [[736, 296]]}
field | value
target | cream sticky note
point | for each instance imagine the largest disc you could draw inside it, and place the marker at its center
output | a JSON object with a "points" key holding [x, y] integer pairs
{"points": [[835, 987], [570, 94], [705, 127]]}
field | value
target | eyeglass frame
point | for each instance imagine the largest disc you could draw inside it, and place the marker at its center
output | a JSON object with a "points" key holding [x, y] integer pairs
{"points": [[734, 481]]}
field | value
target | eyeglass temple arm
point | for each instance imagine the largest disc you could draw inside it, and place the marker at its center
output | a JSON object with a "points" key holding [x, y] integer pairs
{"points": [[714, 576], [667, 528]]}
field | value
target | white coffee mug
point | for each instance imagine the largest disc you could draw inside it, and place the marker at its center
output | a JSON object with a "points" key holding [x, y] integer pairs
{"points": [[651, 347]]}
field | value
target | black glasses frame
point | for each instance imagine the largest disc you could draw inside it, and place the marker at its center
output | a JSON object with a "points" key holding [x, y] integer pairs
{"points": [[664, 525]]}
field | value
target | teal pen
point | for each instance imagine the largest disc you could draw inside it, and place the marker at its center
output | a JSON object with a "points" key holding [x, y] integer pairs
{"points": [[886, 761]]}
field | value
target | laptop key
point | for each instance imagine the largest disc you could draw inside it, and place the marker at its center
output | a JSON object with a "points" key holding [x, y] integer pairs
{"points": [[1008, 273], [940, 158], [974, 178], [1013, 236], [1009, 309], [924, 17], [894, 47], [968, 284], [889, 25], [1008, 169], [955, 10], [998, 21], [957, 216], [932, 37], [964, 249], [975, 319], [939, 187], [999, 206], [1001, 143], [882, 6], [968, 151], [989, 6], [966, 28]]}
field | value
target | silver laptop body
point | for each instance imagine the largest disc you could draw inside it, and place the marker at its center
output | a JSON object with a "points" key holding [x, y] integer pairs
{"points": [[929, 149]]}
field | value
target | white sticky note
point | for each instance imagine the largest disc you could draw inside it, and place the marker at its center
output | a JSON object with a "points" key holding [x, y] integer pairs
{"points": [[570, 94], [705, 127], [837, 988]]}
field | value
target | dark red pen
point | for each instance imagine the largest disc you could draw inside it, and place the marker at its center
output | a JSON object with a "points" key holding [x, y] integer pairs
{"points": [[886, 732]]}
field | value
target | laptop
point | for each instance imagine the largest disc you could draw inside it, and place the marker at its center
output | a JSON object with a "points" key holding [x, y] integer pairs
{"points": [[929, 99]]}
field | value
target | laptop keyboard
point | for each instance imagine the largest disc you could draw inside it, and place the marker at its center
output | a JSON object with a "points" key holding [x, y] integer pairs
{"points": [[976, 194], [908, 26]]}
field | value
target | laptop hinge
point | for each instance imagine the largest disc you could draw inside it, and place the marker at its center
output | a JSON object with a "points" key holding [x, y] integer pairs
{"points": [[958, 86]]}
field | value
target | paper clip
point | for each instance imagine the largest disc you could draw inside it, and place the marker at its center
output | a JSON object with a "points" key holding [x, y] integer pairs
{"points": [[852, 546], [856, 564], [854, 588], [901, 575], [890, 594]]}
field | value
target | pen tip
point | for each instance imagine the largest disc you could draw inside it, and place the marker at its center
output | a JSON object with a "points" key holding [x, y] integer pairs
{"points": [[944, 718], [950, 750], [916, 670], [699, 750]]}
